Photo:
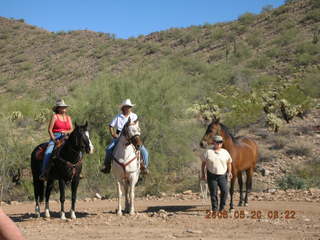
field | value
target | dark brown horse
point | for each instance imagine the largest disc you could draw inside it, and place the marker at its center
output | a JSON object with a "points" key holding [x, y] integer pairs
{"points": [[66, 167], [244, 154]]}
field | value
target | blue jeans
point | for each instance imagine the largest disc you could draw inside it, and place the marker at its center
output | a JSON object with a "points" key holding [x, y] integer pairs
{"points": [[112, 145], [215, 181], [48, 152]]}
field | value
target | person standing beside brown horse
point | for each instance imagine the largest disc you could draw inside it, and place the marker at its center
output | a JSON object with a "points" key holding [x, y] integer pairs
{"points": [[244, 154]]}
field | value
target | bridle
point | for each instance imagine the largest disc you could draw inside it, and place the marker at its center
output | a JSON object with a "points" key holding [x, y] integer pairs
{"points": [[130, 141], [80, 141]]}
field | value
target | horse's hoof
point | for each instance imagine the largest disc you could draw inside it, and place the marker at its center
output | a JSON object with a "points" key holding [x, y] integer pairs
{"points": [[231, 210], [73, 215], [240, 204], [63, 216], [47, 213], [131, 213], [119, 213], [246, 204]]}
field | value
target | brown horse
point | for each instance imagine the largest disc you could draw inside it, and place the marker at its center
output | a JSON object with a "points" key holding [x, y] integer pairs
{"points": [[244, 154]]}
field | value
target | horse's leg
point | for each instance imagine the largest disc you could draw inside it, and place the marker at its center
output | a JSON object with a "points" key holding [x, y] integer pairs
{"points": [[127, 196], [231, 192], [249, 173], [240, 182], [62, 198], [48, 191], [74, 188], [119, 212], [131, 188], [36, 188]]}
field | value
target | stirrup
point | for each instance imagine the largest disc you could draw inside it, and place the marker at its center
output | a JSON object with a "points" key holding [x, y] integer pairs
{"points": [[106, 170], [144, 170]]}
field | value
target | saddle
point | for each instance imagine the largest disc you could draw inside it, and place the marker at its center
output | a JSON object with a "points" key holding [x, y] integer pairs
{"points": [[43, 147]]}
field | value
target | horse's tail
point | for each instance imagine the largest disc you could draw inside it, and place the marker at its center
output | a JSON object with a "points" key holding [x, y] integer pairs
{"points": [[36, 167]]}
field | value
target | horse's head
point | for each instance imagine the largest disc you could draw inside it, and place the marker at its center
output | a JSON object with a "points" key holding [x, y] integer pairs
{"points": [[213, 129], [80, 138], [132, 132]]}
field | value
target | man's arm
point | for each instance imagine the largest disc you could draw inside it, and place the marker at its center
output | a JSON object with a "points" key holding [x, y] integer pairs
{"points": [[8, 230], [113, 132]]}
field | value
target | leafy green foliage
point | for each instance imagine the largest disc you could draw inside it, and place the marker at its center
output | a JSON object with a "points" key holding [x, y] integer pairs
{"points": [[247, 18], [291, 182]]}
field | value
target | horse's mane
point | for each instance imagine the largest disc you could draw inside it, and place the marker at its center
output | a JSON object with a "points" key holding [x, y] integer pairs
{"points": [[227, 131]]}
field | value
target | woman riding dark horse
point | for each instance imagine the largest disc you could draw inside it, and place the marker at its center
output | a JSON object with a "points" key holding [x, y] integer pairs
{"points": [[60, 125], [66, 166]]}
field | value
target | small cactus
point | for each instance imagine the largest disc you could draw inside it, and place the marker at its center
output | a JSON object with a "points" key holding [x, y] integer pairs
{"points": [[16, 115]]}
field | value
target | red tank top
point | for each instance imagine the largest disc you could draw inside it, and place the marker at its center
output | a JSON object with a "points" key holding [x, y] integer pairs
{"points": [[60, 125]]}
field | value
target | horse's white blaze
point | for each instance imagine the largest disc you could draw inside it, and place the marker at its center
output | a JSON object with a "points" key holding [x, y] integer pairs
{"points": [[90, 143], [128, 177], [134, 130]]}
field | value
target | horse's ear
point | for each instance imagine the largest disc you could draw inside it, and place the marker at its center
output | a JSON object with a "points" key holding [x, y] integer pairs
{"points": [[215, 120], [75, 124], [86, 125]]}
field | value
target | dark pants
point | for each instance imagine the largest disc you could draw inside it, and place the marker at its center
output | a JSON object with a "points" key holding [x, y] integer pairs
{"points": [[214, 181]]}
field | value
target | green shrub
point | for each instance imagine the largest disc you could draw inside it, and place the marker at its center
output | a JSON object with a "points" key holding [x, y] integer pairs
{"points": [[266, 155], [291, 182], [312, 16], [300, 149], [218, 33], [247, 18], [315, 3], [308, 47], [278, 142], [280, 10], [254, 39], [286, 38], [274, 52], [261, 62], [266, 8], [310, 84], [309, 172]]}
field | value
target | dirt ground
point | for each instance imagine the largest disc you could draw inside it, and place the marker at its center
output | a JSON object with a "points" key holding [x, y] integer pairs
{"points": [[171, 219]]}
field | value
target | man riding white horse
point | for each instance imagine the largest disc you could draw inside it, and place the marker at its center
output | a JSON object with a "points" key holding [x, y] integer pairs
{"points": [[115, 128]]}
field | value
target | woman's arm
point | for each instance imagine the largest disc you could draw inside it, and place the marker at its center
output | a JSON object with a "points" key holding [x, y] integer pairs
{"points": [[50, 127], [8, 230]]}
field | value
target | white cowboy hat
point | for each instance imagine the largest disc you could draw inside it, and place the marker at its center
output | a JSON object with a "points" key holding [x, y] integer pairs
{"points": [[60, 103], [126, 102]]}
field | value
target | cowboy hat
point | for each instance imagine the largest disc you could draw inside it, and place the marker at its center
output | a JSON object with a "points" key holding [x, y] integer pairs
{"points": [[59, 103], [126, 102], [217, 138]]}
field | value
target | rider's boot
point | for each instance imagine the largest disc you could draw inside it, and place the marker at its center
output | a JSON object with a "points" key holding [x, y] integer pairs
{"points": [[107, 168], [144, 170]]}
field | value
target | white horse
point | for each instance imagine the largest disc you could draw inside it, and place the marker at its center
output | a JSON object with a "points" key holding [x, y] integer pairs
{"points": [[126, 165]]}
